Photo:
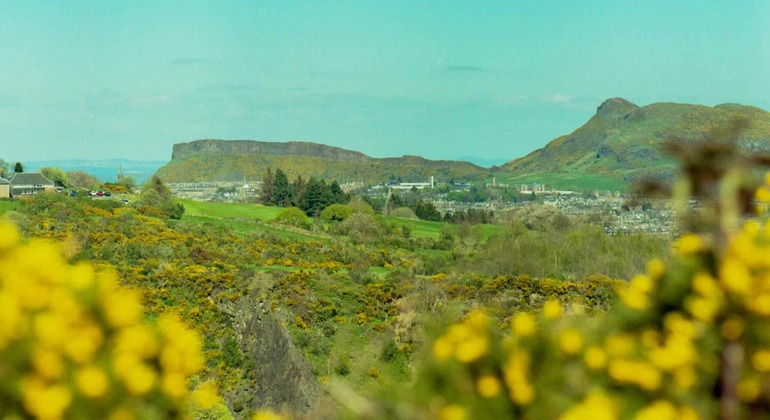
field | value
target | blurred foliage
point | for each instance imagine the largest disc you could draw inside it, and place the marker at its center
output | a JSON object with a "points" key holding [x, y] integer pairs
{"points": [[75, 344]]}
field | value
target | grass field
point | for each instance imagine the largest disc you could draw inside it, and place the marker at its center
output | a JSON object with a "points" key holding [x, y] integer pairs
{"points": [[230, 210], [429, 229], [568, 181], [242, 218]]}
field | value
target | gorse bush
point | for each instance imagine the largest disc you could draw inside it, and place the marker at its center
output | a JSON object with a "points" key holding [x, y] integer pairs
{"points": [[687, 339], [74, 344]]}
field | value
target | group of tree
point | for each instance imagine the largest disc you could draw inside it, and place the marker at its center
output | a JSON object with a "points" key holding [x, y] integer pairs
{"points": [[469, 216], [5, 168], [311, 196], [156, 199], [423, 209]]}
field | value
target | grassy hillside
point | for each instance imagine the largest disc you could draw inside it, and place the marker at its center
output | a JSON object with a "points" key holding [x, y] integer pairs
{"points": [[221, 161], [241, 217], [622, 141], [230, 210]]}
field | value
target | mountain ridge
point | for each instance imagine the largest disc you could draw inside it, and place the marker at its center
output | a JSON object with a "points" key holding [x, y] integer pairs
{"points": [[229, 160], [620, 142], [623, 139]]}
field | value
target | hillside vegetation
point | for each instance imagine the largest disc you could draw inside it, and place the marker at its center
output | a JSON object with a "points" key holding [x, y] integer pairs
{"points": [[622, 141], [221, 160], [283, 309]]}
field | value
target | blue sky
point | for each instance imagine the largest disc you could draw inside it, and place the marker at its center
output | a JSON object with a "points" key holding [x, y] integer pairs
{"points": [[441, 79]]}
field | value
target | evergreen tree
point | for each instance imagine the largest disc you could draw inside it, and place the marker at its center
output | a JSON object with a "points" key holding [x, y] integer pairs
{"points": [[18, 168], [268, 180], [317, 197], [338, 196], [299, 190], [282, 192], [425, 210]]}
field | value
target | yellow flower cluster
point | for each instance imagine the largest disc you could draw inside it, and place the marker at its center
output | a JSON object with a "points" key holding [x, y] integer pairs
{"points": [[637, 294], [596, 406], [73, 343], [763, 195], [686, 340], [466, 342], [516, 375], [745, 269]]}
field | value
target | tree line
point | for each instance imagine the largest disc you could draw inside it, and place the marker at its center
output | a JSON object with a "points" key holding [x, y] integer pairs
{"points": [[311, 196]]}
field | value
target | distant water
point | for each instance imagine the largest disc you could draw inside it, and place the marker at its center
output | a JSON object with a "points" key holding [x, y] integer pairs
{"points": [[104, 170]]}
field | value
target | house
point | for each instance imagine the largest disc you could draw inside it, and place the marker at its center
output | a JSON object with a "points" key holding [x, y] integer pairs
{"points": [[5, 188], [22, 184]]}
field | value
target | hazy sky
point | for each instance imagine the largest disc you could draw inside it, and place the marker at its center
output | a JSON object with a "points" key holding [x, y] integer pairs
{"points": [[442, 79]]}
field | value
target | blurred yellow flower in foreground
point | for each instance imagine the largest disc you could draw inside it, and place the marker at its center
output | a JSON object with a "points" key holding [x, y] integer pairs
{"points": [[72, 341]]}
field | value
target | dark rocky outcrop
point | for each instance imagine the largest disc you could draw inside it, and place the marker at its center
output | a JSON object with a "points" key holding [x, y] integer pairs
{"points": [[283, 380], [250, 147], [615, 108]]}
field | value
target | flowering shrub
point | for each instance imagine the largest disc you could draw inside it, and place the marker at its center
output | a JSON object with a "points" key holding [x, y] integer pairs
{"points": [[687, 339], [74, 344]]}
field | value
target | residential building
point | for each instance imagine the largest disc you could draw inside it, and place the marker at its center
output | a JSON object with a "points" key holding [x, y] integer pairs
{"points": [[5, 188], [23, 184]]}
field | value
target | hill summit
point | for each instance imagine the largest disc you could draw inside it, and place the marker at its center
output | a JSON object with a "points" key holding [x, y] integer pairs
{"points": [[622, 140]]}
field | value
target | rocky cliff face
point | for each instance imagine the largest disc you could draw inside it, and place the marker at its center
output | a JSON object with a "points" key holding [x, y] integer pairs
{"points": [[615, 108], [249, 147], [283, 380], [237, 160]]}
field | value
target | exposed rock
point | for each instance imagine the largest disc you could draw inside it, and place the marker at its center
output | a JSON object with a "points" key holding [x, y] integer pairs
{"points": [[250, 147], [283, 378], [615, 108]]}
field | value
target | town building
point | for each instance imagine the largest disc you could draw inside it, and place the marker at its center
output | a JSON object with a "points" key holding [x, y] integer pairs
{"points": [[5, 188], [25, 184]]}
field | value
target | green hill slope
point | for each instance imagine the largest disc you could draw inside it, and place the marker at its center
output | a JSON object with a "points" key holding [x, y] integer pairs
{"points": [[222, 160], [621, 141]]}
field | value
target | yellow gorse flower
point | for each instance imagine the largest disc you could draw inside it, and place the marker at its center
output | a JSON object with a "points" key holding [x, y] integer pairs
{"points": [[466, 342], [71, 333]]}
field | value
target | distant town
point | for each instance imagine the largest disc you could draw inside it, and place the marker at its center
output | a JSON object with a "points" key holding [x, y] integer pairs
{"points": [[613, 211]]}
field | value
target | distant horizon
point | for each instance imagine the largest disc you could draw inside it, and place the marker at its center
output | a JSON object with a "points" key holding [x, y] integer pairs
{"points": [[484, 162], [493, 80], [477, 160]]}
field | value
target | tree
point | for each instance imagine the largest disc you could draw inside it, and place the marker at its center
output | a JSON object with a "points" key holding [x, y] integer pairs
{"points": [[338, 196], [299, 189], [5, 167], [128, 182], [336, 213], [157, 195], [82, 179], [294, 217], [18, 168], [155, 183], [359, 205], [268, 180], [317, 197], [283, 195], [425, 210], [56, 175], [362, 227]]}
